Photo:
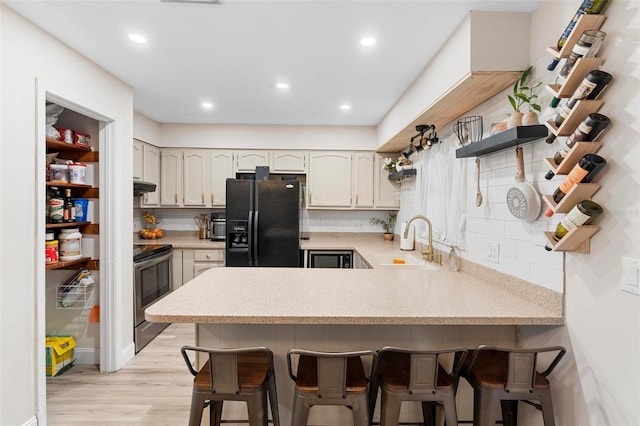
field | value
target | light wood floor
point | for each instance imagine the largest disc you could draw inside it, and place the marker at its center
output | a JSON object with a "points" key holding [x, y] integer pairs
{"points": [[152, 389]]}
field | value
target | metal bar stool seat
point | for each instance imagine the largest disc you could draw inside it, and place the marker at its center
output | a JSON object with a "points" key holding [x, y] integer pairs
{"points": [[415, 375], [506, 376], [244, 374], [329, 378]]}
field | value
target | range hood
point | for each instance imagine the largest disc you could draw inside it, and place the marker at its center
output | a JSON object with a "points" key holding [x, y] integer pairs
{"points": [[141, 187]]}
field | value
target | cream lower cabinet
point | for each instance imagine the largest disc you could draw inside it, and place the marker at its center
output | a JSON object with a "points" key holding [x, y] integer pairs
{"points": [[386, 193], [363, 179], [151, 173], [195, 262], [176, 269], [329, 181]]}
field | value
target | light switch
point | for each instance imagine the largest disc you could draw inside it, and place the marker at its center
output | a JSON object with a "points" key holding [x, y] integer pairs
{"points": [[630, 281]]}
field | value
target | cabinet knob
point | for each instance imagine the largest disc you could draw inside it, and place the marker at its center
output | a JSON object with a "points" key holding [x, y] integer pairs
{"points": [[202, 198], [208, 256], [176, 198], [212, 199]]}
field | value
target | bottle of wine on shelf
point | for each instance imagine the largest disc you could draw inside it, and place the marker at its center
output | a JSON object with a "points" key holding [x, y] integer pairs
{"points": [[586, 47], [583, 213], [583, 172], [590, 128], [590, 88], [69, 208], [587, 7]]}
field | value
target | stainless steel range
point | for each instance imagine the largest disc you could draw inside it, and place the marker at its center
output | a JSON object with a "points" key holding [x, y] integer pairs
{"points": [[152, 281]]}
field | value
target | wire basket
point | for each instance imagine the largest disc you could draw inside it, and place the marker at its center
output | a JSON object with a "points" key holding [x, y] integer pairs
{"points": [[469, 129]]}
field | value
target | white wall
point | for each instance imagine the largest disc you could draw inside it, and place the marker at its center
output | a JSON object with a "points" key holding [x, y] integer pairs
{"points": [[145, 129], [598, 383], [28, 54]]}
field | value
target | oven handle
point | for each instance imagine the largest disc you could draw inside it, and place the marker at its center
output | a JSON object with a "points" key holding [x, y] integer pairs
{"points": [[152, 261]]}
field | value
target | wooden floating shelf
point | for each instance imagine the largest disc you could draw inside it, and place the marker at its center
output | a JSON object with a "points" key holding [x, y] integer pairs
{"points": [[579, 150], [81, 191], [73, 152], [580, 110], [582, 67], [85, 262], [402, 175], [584, 23], [85, 227], [581, 191], [577, 240], [509, 138]]}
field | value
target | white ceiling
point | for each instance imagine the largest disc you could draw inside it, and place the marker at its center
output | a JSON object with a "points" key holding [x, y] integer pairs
{"points": [[232, 54]]}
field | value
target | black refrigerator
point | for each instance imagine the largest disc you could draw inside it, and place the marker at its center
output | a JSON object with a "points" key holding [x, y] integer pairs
{"points": [[263, 223]]}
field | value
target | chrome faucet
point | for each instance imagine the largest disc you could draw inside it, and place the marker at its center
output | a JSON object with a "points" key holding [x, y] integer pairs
{"points": [[427, 254]]}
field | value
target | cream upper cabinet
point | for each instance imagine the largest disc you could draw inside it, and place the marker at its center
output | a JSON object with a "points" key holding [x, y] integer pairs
{"points": [[288, 162], [387, 193], [171, 177], [151, 173], [329, 180], [195, 177], [363, 179], [246, 161], [221, 166], [137, 159]]}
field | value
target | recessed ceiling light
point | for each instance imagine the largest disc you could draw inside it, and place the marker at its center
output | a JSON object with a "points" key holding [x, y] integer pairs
{"points": [[282, 85], [137, 38], [345, 107], [207, 105], [367, 41]]}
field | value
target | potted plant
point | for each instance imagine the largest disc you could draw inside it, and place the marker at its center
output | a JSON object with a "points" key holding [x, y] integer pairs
{"points": [[390, 165], [388, 224], [523, 94]]}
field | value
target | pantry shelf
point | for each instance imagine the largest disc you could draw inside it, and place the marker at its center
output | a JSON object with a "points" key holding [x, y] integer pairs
{"points": [[86, 262], [73, 152], [509, 138]]}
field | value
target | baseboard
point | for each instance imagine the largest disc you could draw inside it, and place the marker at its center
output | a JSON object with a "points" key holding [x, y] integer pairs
{"points": [[86, 356], [33, 421], [126, 355]]}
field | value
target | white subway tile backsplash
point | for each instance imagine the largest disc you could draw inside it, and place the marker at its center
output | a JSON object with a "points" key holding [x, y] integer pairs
{"points": [[516, 267], [547, 277]]}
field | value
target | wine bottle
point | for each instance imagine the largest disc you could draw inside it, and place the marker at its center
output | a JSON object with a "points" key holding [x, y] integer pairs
{"points": [[583, 172], [69, 208], [587, 7], [56, 207], [590, 128], [586, 47], [583, 213], [590, 88]]}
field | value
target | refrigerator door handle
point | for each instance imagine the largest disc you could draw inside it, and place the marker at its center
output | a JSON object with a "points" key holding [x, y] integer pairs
{"points": [[250, 236], [255, 238]]}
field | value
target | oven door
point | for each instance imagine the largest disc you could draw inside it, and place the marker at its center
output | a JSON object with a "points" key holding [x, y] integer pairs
{"points": [[330, 259], [152, 281]]}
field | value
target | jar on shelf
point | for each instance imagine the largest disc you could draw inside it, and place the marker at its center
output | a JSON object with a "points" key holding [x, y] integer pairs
{"points": [[70, 244]]}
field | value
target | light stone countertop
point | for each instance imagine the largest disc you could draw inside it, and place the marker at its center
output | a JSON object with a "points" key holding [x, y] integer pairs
{"points": [[384, 295]]}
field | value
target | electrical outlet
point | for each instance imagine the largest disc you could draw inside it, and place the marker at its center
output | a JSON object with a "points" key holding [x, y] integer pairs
{"points": [[630, 281], [493, 251], [136, 226]]}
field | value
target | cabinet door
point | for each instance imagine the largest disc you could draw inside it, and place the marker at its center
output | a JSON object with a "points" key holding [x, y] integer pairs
{"points": [[387, 193], [137, 159], [288, 162], [176, 265], [195, 177], [329, 180], [221, 165], [187, 265], [363, 179], [246, 161], [171, 177], [151, 173]]}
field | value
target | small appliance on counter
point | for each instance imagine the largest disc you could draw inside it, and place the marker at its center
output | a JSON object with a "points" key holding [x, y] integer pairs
{"points": [[217, 224]]}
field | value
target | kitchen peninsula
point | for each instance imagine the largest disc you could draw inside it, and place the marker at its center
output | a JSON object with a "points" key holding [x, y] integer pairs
{"points": [[338, 309]]}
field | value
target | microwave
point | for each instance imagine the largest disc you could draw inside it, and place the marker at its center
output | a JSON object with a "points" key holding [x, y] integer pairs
{"points": [[330, 259]]}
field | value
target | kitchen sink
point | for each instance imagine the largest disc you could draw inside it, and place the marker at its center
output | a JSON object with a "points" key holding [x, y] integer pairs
{"points": [[403, 260]]}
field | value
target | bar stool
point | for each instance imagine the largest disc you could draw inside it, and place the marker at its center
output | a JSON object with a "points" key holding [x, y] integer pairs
{"points": [[243, 374], [509, 375], [416, 375], [330, 378]]}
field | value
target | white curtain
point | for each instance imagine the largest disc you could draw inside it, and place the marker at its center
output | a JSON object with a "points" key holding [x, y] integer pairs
{"points": [[444, 182]]}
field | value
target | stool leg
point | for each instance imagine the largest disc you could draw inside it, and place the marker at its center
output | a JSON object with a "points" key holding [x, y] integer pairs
{"points": [[509, 412], [547, 408], [360, 410], [300, 411], [485, 405], [197, 405], [257, 409], [450, 414], [216, 413], [273, 400], [389, 409]]}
